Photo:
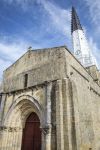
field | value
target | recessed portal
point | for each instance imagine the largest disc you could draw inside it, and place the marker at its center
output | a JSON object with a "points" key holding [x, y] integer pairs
{"points": [[31, 133]]}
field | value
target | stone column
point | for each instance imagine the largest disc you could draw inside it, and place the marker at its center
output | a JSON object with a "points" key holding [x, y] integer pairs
{"points": [[2, 104], [2, 131], [18, 139], [47, 128], [59, 116], [68, 115], [3, 143], [11, 139], [65, 116]]}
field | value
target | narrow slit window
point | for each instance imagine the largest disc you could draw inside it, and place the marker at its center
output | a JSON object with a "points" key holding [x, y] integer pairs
{"points": [[25, 80], [0, 98]]}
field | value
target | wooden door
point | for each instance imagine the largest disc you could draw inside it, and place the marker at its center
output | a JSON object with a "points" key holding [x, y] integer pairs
{"points": [[31, 133]]}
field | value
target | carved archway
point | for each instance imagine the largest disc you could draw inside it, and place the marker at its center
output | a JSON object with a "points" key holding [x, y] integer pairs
{"points": [[14, 122]]}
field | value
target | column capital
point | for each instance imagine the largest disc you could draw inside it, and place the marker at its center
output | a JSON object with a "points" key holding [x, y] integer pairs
{"points": [[46, 129], [10, 129]]}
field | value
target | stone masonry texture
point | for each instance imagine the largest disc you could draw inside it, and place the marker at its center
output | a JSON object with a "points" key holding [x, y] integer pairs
{"points": [[64, 95]]}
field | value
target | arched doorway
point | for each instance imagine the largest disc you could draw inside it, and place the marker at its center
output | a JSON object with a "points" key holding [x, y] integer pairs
{"points": [[31, 139]]}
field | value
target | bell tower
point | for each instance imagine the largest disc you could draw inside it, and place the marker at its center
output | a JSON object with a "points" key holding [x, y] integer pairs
{"points": [[80, 44]]}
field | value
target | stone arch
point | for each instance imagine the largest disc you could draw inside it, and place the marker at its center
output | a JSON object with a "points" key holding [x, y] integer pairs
{"points": [[15, 119], [21, 108]]}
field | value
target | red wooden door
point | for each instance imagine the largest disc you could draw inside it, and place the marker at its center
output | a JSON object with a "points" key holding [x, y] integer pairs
{"points": [[31, 133]]}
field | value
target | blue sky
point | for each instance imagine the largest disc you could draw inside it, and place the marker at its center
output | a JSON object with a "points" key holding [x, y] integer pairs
{"points": [[43, 24]]}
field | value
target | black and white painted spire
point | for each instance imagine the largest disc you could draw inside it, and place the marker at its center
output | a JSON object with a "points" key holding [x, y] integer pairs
{"points": [[75, 24], [80, 44]]}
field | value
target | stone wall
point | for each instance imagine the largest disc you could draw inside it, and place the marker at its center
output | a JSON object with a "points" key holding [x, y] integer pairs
{"points": [[17, 106], [40, 65], [62, 93]]}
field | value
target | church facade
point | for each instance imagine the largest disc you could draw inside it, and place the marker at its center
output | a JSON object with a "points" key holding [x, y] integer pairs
{"points": [[50, 101]]}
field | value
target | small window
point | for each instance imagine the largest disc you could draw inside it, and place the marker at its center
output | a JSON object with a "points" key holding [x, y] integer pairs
{"points": [[25, 80]]}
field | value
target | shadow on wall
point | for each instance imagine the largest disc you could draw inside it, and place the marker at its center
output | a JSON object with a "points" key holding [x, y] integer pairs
{"points": [[1, 87]]}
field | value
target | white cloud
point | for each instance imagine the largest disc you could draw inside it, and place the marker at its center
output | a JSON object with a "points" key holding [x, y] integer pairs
{"points": [[10, 52], [94, 9], [95, 50], [3, 65], [60, 17]]}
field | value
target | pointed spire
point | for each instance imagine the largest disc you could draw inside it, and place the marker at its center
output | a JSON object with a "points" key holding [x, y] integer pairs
{"points": [[75, 22], [81, 48]]}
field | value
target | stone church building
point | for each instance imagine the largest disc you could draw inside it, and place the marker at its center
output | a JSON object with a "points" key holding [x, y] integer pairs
{"points": [[51, 99]]}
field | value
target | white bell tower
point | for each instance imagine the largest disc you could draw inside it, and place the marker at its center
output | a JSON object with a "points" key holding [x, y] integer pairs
{"points": [[80, 44]]}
